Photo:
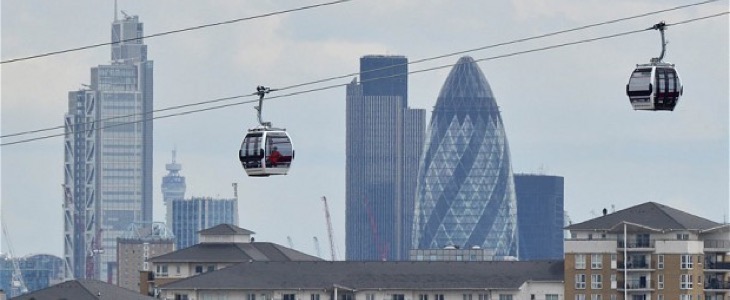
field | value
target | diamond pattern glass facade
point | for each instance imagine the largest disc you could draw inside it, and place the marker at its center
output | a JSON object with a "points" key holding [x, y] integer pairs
{"points": [[465, 193]]}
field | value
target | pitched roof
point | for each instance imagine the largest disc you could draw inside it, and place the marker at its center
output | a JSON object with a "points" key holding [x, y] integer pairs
{"points": [[233, 253], [83, 290], [374, 275], [225, 229], [652, 215]]}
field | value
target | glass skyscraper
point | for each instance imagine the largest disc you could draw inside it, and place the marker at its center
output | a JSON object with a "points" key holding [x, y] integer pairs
{"points": [[108, 156], [540, 216], [384, 141], [465, 196], [195, 214]]}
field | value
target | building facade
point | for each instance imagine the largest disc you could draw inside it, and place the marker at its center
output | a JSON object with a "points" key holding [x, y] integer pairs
{"points": [[173, 186], [384, 141], [198, 213], [648, 252], [540, 216], [369, 280], [465, 196], [108, 156], [134, 250]]}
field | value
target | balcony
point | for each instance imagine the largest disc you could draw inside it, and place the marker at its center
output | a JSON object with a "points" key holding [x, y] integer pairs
{"points": [[637, 245], [718, 266], [635, 285], [714, 284], [635, 265], [717, 245]]}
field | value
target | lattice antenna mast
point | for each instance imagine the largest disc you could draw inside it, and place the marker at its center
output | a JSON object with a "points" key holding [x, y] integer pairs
{"points": [[330, 232]]}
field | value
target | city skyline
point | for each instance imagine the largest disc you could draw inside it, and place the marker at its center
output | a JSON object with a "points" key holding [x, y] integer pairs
{"points": [[565, 109]]}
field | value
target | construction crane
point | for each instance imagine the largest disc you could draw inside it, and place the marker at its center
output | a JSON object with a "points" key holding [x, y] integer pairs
{"points": [[18, 286], [316, 247], [330, 233], [381, 247]]}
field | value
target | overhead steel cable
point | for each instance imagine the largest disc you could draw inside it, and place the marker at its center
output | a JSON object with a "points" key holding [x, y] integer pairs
{"points": [[583, 41], [393, 66], [174, 31]]}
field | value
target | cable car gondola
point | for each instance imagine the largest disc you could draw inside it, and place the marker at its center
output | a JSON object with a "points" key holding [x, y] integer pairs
{"points": [[265, 150], [656, 85]]}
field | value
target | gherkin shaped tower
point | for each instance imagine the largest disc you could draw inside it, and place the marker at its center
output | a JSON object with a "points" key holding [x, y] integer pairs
{"points": [[465, 193]]}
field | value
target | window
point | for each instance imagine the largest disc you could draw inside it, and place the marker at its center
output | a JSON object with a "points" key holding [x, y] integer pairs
{"points": [[686, 262], [660, 281], [437, 297], [251, 297], [551, 296], [685, 297], [181, 297], [466, 296], [614, 284], [613, 261], [314, 297], [660, 297], [596, 261], [660, 262], [161, 270], [685, 281], [682, 236], [580, 297], [613, 296], [595, 296], [580, 261], [485, 297], [372, 297], [420, 297], [505, 297], [288, 297], [198, 269], [177, 269], [596, 282], [211, 268], [399, 297], [580, 281]]}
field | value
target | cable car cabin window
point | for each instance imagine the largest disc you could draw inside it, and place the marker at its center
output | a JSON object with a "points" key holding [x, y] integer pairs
{"points": [[251, 150], [639, 83], [279, 150]]}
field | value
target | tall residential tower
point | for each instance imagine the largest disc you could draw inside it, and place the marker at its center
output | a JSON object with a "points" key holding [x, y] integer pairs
{"points": [[465, 196], [108, 156], [384, 142]]}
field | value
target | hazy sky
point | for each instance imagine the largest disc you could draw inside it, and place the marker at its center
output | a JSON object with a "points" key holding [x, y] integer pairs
{"points": [[565, 110]]}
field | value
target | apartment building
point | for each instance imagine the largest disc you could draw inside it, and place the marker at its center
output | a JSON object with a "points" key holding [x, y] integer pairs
{"points": [[648, 252]]}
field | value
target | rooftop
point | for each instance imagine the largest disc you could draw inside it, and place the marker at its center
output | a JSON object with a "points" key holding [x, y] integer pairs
{"points": [[649, 215]]}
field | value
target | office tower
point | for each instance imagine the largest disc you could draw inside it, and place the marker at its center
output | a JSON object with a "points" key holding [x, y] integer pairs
{"points": [[135, 248], [39, 271], [108, 156], [465, 196], [648, 251], [173, 186], [189, 216], [540, 216], [384, 141]]}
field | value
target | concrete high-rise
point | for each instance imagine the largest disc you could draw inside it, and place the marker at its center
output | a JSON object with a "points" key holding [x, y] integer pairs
{"points": [[465, 196], [384, 141], [540, 216], [173, 186], [108, 156], [189, 216]]}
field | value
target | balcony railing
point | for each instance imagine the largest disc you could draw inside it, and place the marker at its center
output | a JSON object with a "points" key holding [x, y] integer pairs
{"points": [[637, 244], [717, 285], [635, 285], [634, 265], [717, 244], [717, 265]]}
